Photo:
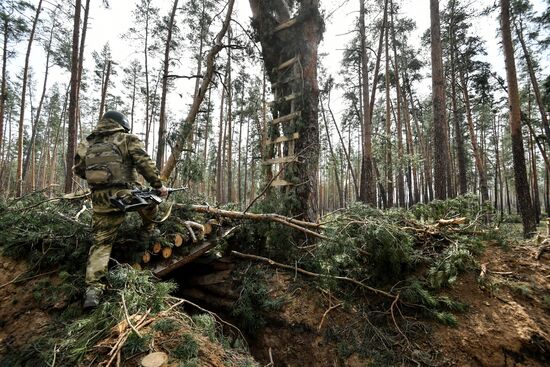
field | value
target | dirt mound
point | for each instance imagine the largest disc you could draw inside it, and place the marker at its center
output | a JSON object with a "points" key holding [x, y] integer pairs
{"points": [[298, 335], [508, 320], [21, 315]]}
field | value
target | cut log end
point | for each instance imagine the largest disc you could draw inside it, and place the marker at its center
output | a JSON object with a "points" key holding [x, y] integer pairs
{"points": [[210, 226], [166, 252], [178, 240], [146, 257], [157, 359], [156, 247]]}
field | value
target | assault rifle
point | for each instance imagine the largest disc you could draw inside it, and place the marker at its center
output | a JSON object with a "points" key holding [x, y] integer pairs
{"points": [[139, 198]]}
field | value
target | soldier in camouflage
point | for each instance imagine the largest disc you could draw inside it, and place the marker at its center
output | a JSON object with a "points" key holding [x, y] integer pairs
{"points": [[109, 161]]}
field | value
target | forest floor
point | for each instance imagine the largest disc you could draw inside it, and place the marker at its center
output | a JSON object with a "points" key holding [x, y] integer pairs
{"points": [[507, 323]]}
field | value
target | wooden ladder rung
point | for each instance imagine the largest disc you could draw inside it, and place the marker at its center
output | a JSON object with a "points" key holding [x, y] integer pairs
{"points": [[280, 160], [280, 183], [282, 139], [287, 63], [288, 98], [282, 82], [287, 118], [289, 23]]}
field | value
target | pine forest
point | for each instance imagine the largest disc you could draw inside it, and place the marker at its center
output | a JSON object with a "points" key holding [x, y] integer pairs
{"points": [[344, 183]]}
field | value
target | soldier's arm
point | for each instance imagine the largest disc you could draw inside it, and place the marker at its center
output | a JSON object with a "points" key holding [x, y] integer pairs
{"points": [[143, 163], [79, 167]]}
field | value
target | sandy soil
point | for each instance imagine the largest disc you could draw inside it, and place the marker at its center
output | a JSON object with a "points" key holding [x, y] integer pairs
{"points": [[508, 322]]}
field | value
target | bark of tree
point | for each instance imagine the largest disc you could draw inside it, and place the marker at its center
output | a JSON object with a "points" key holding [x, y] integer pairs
{"points": [[19, 178], [441, 163], [399, 126], [147, 86], [459, 137], [525, 204], [3, 91], [335, 160], [534, 83], [229, 134], [480, 165], [104, 89], [30, 148], [367, 192], [277, 47], [73, 101], [387, 142], [346, 151], [220, 197], [161, 146]]}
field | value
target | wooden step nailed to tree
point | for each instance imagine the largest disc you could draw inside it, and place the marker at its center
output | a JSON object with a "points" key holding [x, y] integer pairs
{"points": [[283, 81], [289, 23], [288, 98], [287, 63], [280, 160], [283, 139], [287, 118], [277, 183]]}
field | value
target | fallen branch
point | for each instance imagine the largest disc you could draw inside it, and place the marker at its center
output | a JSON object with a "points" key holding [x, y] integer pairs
{"points": [[311, 274], [299, 225], [325, 315]]}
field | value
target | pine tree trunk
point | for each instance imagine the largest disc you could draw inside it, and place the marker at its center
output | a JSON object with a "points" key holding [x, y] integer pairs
{"points": [[367, 192], [239, 157], [520, 172], [400, 153], [459, 137], [72, 123], [221, 148], [346, 151], [39, 109], [304, 36], [335, 160], [105, 85], [3, 90], [535, 84], [147, 86], [441, 153], [161, 146], [184, 130], [19, 178], [387, 142], [229, 134], [483, 185]]}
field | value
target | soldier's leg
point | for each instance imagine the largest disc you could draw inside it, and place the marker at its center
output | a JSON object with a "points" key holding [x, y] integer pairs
{"points": [[104, 228]]}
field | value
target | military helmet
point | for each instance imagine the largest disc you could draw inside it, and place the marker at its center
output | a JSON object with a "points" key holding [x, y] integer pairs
{"points": [[118, 117]]}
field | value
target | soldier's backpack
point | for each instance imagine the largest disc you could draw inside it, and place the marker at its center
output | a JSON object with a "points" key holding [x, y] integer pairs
{"points": [[104, 163]]}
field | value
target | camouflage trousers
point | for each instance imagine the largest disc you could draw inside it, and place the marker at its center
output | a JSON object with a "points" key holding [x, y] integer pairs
{"points": [[104, 228]]}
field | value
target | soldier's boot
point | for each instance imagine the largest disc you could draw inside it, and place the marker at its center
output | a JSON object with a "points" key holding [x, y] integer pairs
{"points": [[92, 298]]}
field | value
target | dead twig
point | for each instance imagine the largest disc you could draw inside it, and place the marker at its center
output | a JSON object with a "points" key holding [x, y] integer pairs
{"points": [[127, 316], [395, 322], [311, 274], [325, 315], [16, 280]]}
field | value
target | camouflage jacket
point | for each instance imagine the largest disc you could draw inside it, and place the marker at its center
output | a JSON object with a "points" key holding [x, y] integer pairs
{"points": [[135, 159]]}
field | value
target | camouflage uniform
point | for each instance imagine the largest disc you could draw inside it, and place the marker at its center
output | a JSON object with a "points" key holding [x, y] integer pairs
{"points": [[130, 159]]}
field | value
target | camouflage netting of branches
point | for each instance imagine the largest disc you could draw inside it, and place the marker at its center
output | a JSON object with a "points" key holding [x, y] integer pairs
{"points": [[411, 254]]}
